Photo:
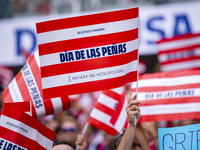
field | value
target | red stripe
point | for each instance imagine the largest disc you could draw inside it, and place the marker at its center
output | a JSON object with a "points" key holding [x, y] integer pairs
{"points": [[170, 117], [19, 139], [89, 64], [36, 72], [23, 87], [28, 120], [34, 114], [66, 103], [181, 100], [118, 109], [112, 95], [167, 88], [85, 20], [175, 50], [23, 106], [170, 74], [94, 41], [90, 86], [179, 37], [104, 109], [6, 96], [100, 125], [48, 106]]}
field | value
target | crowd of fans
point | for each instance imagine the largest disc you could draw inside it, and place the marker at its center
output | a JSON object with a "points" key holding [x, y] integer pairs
{"points": [[69, 124]]}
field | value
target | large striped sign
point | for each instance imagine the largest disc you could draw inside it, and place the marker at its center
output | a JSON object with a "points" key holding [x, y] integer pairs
{"points": [[27, 86], [20, 131], [169, 95], [88, 53], [179, 53]]}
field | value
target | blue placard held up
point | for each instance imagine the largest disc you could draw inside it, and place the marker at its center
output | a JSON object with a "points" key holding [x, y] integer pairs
{"points": [[179, 138]]}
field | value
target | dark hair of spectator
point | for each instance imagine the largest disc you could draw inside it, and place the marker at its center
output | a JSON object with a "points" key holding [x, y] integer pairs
{"points": [[64, 142]]}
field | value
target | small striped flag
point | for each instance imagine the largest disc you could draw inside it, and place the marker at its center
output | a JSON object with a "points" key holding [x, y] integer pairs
{"points": [[109, 113]]}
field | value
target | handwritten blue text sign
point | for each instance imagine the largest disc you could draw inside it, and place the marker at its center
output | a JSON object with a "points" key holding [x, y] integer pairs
{"points": [[179, 138]]}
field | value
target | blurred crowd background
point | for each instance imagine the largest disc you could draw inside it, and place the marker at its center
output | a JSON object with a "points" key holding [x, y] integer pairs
{"points": [[21, 8], [81, 104], [18, 9]]}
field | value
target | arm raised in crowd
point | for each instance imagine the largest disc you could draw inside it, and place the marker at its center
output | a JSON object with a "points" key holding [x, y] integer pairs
{"points": [[133, 111]]}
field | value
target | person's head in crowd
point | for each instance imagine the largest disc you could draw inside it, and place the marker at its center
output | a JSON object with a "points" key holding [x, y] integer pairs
{"points": [[107, 138], [52, 124], [68, 130], [114, 142], [63, 145], [186, 122]]}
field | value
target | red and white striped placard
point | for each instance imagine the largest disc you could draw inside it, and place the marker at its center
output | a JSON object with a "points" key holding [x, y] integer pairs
{"points": [[179, 53], [27, 86], [88, 53], [18, 129], [169, 95], [109, 113]]}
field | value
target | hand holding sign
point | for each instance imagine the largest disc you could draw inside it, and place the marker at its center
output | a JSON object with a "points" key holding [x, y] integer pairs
{"points": [[133, 111]]}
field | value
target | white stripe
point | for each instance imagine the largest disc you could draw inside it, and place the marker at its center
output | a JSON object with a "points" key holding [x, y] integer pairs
{"points": [[54, 58], [107, 101], [163, 58], [74, 78], [119, 90], [197, 51], [36, 55], [134, 85], [178, 55], [39, 110], [181, 65], [14, 91], [122, 117], [173, 81], [179, 93], [72, 33], [101, 116], [27, 131], [179, 43], [169, 109], [57, 104]]}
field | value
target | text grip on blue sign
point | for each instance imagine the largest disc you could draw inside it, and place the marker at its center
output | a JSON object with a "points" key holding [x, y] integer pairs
{"points": [[179, 138]]}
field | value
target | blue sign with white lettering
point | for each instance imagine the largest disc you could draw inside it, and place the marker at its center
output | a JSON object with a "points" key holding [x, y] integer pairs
{"points": [[179, 138]]}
